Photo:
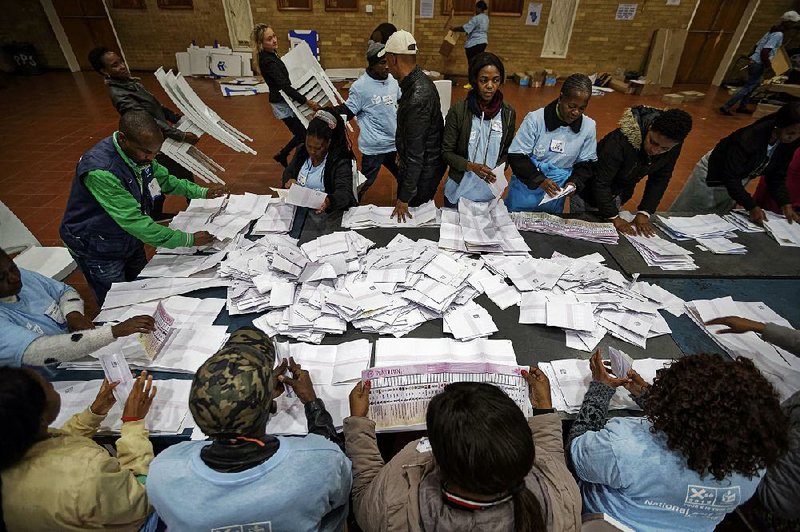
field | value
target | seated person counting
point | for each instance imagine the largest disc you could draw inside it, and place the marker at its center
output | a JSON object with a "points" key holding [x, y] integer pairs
{"points": [[647, 143], [765, 147], [480, 455], [60, 479], [477, 133], [555, 146], [709, 430], [241, 475], [325, 163], [42, 320]]}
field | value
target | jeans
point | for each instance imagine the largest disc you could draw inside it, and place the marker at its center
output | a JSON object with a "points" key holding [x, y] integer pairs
{"points": [[472, 51], [754, 73], [174, 168], [100, 272], [371, 165], [298, 130]]}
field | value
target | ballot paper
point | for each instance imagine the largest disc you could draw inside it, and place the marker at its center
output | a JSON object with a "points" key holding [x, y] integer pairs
{"points": [[621, 362], [143, 290], [168, 413], [742, 222], [328, 364], [278, 218], [183, 309], [154, 341], [721, 246], [542, 222], [779, 366], [661, 253], [399, 395], [405, 351], [567, 315], [696, 227], [366, 216], [116, 370], [563, 192], [469, 322], [480, 227], [785, 233], [305, 197], [500, 181], [181, 265]]}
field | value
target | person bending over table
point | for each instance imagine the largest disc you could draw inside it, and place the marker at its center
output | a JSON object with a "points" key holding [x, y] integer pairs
{"points": [[647, 143], [766, 146], [372, 100], [710, 429], [59, 479], [481, 454], [477, 30], [555, 146], [477, 133], [241, 475], [43, 322], [128, 94], [276, 76], [419, 127], [108, 216], [766, 202]]}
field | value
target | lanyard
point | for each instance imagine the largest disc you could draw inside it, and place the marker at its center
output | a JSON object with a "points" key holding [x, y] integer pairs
{"points": [[481, 139]]}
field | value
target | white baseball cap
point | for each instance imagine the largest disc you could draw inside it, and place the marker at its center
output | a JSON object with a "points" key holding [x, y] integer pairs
{"points": [[791, 16], [401, 43]]}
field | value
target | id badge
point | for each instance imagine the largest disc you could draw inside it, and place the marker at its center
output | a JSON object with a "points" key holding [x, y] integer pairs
{"points": [[301, 179], [497, 125], [54, 313], [558, 145], [154, 188]]}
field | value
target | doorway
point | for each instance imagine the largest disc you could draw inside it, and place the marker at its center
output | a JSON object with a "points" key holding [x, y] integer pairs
{"points": [[240, 22], [710, 34], [87, 25], [559, 28], [401, 14]]}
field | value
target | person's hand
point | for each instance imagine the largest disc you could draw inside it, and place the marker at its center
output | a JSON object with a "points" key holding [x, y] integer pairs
{"points": [[324, 206], [757, 215], [203, 238], [401, 210], [643, 226], [136, 324], [790, 214], [314, 106], [623, 226], [217, 191], [78, 322], [737, 325], [141, 397], [289, 183], [105, 398], [300, 381], [190, 138], [600, 373], [550, 187], [636, 385], [359, 399], [482, 171], [538, 388]]}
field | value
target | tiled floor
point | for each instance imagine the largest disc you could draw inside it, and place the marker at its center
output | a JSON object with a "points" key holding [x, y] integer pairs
{"points": [[51, 119]]}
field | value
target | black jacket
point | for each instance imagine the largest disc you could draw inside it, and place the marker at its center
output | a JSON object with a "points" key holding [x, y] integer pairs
{"points": [[277, 78], [622, 163], [419, 134], [743, 154], [130, 95], [337, 178]]}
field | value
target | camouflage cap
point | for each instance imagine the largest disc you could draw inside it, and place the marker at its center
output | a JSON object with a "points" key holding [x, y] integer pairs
{"points": [[231, 393]]}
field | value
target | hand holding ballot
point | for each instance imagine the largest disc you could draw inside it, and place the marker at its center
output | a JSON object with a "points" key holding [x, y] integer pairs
{"points": [[601, 375], [538, 387]]}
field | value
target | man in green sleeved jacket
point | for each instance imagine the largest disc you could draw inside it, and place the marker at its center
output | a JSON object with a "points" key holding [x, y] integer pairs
{"points": [[107, 220]]}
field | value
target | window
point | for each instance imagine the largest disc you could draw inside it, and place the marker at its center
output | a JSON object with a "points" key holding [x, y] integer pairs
{"points": [[459, 7], [505, 7], [175, 4], [128, 4], [294, 5], [341, 5]]}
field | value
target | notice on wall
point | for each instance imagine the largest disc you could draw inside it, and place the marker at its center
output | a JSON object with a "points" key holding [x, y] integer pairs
{"points": [[626, 11], [425, 8], [534, 14]]}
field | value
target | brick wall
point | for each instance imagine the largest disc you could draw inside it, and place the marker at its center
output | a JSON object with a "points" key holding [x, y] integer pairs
{"points": [[26, 22]]}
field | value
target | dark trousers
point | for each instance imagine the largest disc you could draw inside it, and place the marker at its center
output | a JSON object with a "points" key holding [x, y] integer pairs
{"points": [[175, 169], [426, 189], [472, 51], [371, 165], [100, 272], [754, 73], [298, 130]]}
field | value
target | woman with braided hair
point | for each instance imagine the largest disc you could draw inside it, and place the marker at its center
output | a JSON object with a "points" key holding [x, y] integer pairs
{"points": [[554, 147]]}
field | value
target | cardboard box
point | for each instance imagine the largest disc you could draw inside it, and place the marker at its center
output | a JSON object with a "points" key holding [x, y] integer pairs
{"points": [[692, 96], [781, 63], [764, 109], [620, 86], [672, 99], [644, 87], [448, 43]]}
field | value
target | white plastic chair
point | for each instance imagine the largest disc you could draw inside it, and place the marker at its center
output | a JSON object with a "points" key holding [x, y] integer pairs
{"points": [[53, 262], [445, 89]]}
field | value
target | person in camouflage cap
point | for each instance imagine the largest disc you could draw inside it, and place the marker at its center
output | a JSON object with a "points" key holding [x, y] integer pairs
{"points": [[233, 391]]}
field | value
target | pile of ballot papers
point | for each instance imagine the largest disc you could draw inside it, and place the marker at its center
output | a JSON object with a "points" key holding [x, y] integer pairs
{"points": [[778, 365], [550, 224], [366, 216], [785, 233], [658, 252], [570, 379], [712, 232], [480, 227], [741, 220]]}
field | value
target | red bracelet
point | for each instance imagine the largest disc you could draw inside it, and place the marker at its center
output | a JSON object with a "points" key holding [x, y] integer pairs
{"points": [[125, 419]]}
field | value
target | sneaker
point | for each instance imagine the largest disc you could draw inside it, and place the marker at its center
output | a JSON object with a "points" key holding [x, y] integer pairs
{"points": [[744, 111], [281, 159], [468, 86], [725, 111]]}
